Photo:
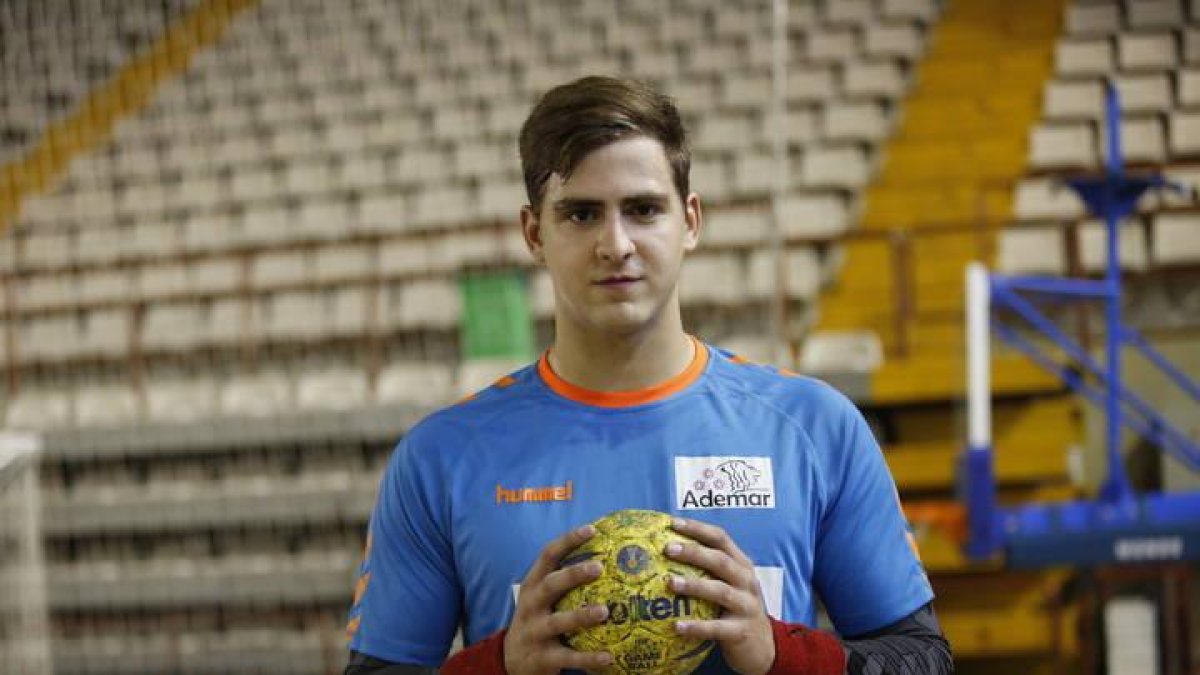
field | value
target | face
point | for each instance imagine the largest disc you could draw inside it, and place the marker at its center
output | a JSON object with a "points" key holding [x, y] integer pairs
{"points": [[613, 237]]}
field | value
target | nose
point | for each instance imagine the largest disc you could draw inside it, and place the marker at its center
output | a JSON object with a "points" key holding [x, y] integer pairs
{"points": [[614, 243]]}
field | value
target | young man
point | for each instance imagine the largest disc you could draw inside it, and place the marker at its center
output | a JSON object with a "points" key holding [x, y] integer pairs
{"points": [[481, 501]]}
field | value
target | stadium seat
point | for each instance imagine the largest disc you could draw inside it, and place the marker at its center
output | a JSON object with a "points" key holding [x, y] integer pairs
{"points": [[835, 167], [841, 352], [723, 131], [1143, 14], [46, 290], [1039, 199], [100, 245], [1093, 247], [852, 12], [710, 177], [741, 226], [448, 205], [1063, 145], [40, 410], [501, 199], [106, 406], [170, 326], [1093, 19], [1029, 250], [290, 315], [223, 322], [754, 173], [866, 122], [807, 216], [873, 79], [1144, 140], [887, 40], [344, 310], [919, 10], [802, 270], [104, 333], [832, 45], [421, 383], [1073, 100], [341, 262], [269, 269], [322, 219], [332, 389], [1191, 41], [263, 395], [1187, 83], [48, 250], [754, 348], [1176, 239], [434, 304], [1150, 93], [812, 84], [746, 90], [1147, 51], [541, 295], [180, 400], [384, 213], [711, 279], [1091, 57]]}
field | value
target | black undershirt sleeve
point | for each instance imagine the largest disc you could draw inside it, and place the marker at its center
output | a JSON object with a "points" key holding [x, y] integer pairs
{"points": [[361, 664], [913, 645]]}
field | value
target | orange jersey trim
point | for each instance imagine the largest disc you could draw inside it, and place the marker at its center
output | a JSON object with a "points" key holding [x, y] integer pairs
{"points": [[625, 399]]}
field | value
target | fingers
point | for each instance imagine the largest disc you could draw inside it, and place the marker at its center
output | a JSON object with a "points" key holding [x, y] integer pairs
{"points": [[724, 630], [553, 553], [564, 658], [718, 563], [710, 535], [542, 596], [563, 623], [732, 599]]}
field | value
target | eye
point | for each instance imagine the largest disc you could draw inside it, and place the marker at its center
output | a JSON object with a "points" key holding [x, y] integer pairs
{"points": [[583, 215], [645, 211]]}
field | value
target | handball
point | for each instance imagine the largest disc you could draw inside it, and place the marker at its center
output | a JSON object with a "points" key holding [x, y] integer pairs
{"points": [[635, 586]]}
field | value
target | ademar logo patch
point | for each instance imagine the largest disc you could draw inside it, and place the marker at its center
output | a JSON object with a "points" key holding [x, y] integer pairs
{"points": [[724, 483]]}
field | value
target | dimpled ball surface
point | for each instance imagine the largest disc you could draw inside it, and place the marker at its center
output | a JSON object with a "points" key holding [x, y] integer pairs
{"points": [[634, 585]]}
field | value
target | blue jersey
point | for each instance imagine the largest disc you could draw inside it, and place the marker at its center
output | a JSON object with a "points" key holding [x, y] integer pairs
{"points": [[784, 463]]}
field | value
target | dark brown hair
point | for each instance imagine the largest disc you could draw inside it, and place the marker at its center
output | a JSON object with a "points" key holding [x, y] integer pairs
{"points": [[573, 119]]}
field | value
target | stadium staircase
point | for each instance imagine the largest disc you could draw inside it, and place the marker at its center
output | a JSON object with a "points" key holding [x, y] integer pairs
{"points": [[946, 180]]}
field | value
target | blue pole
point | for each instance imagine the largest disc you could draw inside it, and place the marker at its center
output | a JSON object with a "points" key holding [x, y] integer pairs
{"points": [[1116, 487]]}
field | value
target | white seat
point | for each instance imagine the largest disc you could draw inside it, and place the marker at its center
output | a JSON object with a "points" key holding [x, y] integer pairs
{"points": [[422, 383], [1093, 19], [1028, 250], [1154, 13], [1093, 246], [1039, 198], [103, 285], [1191, 41], [475, 375], [345, 310], [104, 332], [841, 352], [322, 219], [224, 322], [98, 244], [332, 389], [711, 177], [1151, 51], [1091, 57], [447, 205], [252, 184], [746, 89], [46, 290], [403, 256], [739, 226], [431, 303], [479, 158], [802, 270], [189, 400], [723, 131], [215, 275], [854, 12], [351, 261], [165, 279], [752, 347], [48, 250], [1185, 134], [902, 41], [711, 279], [835, 167], [302, 177], [832, 45], [1144, 140], [1145, 93], [863, 121], [1188, 87], [262, 395], [812, 84], [171, 326], [808, 216], [501, 199], [874, 79], [275, 268], [106, 406], [384, 213], [1063, 145], [154, 240], [1073, 100], [712, 58], [754, 173], [291, 315], [1176, 239], [920, 10], [40, 409], [145, 200]]}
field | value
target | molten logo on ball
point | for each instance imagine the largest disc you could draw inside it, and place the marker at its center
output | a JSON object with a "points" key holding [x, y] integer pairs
{"points": [[634, 586]]}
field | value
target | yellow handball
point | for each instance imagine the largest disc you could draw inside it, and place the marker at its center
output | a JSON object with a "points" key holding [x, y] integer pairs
{"points": [[635, 586]]}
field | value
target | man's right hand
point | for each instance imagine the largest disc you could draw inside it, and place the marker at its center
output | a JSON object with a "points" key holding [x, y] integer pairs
{"points": [[532, 645]]}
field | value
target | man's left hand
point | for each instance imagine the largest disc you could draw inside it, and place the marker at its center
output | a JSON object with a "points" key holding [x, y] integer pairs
{"points": [[743, 630]]}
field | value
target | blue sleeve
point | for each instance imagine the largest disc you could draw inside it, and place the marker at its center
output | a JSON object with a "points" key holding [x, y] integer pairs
{"points": [[408, 599], [866, 570]]}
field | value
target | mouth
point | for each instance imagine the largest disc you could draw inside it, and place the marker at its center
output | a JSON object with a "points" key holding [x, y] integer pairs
{"points": [[618, 281]]}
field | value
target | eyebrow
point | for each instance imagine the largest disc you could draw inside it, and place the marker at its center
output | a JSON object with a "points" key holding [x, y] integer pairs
{"points": [[570, 203]]}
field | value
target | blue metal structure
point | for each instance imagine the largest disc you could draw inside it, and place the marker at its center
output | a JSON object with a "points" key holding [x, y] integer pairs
{"points": [[1119, 526]]}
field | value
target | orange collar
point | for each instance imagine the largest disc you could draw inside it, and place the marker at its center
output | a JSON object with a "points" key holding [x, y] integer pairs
{"points": [[625, 399]]}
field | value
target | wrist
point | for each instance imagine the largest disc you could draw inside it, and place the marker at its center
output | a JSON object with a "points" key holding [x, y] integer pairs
{"points": [[485, 657], [800, 650]]}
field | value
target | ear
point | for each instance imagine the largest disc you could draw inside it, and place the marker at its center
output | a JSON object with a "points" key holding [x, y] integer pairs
{"points": [[531, 229], [693, 222]]}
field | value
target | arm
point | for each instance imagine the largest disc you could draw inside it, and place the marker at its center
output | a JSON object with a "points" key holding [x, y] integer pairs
{"points": [[361, 664], [911, 646]]}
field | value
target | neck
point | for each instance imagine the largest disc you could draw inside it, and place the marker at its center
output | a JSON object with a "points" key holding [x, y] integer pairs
{"points": [[620, 362]]}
